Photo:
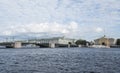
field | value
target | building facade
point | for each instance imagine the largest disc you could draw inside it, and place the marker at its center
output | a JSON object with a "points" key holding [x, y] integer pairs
{"points": [[56, 40], [104, 41]]}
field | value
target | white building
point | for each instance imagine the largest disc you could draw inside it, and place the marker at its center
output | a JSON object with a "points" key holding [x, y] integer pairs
{"points": [[56, 40]]}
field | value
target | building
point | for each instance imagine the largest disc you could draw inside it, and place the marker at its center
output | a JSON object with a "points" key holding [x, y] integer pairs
{"points": [[56, 40], [104, 41]]}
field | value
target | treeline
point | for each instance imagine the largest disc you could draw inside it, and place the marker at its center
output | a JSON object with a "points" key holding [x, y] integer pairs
{"points": [[118, 42], [82, 42]]}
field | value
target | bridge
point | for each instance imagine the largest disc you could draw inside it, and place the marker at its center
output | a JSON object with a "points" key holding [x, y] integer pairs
{"points": [[20, 44], [54, 42]]}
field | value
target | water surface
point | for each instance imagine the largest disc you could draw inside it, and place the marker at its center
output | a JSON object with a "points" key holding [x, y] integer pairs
{"points": [[60, 60]]}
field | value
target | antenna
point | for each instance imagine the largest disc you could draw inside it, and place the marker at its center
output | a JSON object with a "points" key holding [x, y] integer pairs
{"points": [[6, 39], [13, 39], [104, 32]]}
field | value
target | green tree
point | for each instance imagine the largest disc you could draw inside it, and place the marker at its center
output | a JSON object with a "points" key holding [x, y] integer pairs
{"points": [[81, 42], [118, 42], [69, 43]]}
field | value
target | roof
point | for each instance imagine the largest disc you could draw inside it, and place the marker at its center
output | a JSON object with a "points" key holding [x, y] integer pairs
{"points": [[104, 37], [53, 38]]}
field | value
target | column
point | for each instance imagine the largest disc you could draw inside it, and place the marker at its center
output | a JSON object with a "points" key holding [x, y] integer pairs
{"points": [[17, 45]]}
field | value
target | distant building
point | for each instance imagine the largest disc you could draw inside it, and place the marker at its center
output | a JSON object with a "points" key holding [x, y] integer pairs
{"points": [[56, 40], [105, 41]]}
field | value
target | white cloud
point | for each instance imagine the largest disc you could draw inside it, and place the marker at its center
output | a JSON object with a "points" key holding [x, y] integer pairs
{"points": [[49, 28], [98, 30], [7, 33], [90, 13], [53, 29]]}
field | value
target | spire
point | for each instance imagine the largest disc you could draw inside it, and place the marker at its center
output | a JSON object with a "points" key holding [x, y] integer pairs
{"points": [[104, 36]]}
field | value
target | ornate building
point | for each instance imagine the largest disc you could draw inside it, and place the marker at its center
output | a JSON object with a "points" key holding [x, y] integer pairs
{"points": [[104, 41]]}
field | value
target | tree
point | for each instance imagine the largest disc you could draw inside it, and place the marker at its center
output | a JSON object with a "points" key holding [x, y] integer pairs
{"points": [[69, 43], [118, 42], [81, 42]]}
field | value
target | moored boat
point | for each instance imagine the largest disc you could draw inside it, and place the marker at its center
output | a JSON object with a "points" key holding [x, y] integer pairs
{"points": [[2, 47], [99, 46]]}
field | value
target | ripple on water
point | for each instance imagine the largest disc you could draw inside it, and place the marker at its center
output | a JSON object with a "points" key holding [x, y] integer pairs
{"points": [[60, 61]]}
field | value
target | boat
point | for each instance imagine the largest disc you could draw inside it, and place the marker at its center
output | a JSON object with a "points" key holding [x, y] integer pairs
{"points": [[2, 47], [30, 46], [99, 46]]}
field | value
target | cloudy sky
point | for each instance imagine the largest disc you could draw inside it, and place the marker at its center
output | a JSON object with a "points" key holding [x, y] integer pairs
{"points": [[86, 19]]}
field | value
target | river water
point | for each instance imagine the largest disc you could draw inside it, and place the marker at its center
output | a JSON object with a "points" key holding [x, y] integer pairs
{"points": [[60, 60]]}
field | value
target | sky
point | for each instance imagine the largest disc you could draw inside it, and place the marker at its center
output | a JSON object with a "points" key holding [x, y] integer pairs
{"points": [[79, 19]]}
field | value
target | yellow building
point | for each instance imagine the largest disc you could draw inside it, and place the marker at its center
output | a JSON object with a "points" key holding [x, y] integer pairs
{"points": [[104, 41]]}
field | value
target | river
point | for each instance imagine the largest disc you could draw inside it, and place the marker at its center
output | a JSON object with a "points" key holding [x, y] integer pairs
{"points": [[60, 60]]}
